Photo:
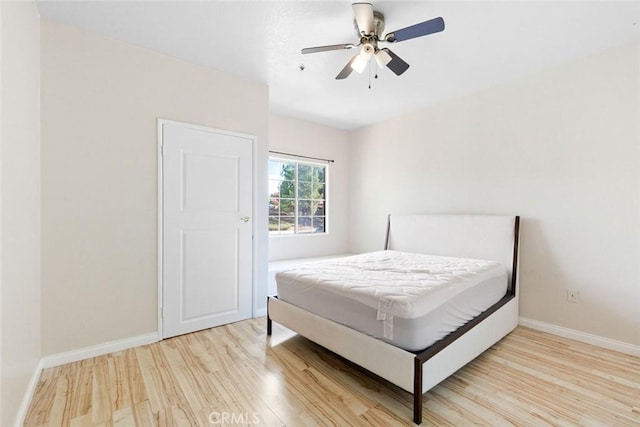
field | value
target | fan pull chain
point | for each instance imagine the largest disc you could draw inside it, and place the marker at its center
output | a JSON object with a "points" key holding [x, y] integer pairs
{"points": [[375, 76]]}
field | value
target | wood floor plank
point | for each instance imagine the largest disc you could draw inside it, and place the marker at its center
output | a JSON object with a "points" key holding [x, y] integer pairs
{"points": [[82, 392], [235, 375], [59, 414], [82, 421], [40, 409], [134, 378], [102, 410], [143, 414]]}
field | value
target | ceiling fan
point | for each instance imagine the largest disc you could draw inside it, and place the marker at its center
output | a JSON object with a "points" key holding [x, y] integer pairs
{"points": [[370, 25]]}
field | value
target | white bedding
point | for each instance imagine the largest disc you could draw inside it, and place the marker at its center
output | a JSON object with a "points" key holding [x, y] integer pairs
{"points": [[410, 300]]}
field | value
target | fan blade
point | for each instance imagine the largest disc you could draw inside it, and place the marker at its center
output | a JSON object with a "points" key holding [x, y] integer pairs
{"points": [[397, 65], [344, 73], [418, 30], [364, 17], [327, 48]]}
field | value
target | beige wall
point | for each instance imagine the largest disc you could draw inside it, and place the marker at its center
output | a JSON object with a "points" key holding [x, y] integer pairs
{"points": [[19, 203], [100, 102], [561, 149], [301, 137]]}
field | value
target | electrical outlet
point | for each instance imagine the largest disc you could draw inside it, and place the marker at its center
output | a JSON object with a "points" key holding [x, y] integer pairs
{"points": [[572, 295]]}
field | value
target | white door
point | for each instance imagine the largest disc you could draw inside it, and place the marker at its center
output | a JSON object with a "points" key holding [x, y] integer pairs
{"points": [[207, 205]]}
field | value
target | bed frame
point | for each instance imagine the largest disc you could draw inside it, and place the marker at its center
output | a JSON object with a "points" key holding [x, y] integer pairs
{"points": [[468, 236]]}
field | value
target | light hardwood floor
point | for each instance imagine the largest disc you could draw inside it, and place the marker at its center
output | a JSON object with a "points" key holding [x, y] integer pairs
{"points": [[235, 375]]}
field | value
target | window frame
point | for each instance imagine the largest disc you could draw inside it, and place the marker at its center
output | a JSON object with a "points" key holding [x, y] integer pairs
{"points": [[325, 165]]}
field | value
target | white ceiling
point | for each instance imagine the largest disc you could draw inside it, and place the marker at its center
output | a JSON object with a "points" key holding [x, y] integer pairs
{"points": [[484, 43]]}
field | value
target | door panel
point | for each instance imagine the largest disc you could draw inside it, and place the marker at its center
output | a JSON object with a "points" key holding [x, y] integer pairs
{"points": [[221, 195], [204, 264], [207, 246]]}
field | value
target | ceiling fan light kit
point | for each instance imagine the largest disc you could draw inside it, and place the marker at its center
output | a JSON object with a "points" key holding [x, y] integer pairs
{"points": [[370, 26], [359, 63], [383, 58]]}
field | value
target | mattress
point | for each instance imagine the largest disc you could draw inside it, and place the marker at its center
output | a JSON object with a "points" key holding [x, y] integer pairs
{"points": [[409, 300]]}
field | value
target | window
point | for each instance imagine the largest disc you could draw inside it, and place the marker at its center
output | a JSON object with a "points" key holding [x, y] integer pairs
{"points": [[297, 197]]}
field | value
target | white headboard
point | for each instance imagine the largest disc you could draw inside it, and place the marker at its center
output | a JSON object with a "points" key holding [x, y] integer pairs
{"points": [[489, 237]]}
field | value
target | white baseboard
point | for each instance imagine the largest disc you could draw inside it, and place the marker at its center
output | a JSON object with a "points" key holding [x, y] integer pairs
{"points": [[620, 346], [98, 350], [28, 395], [260, 312]]}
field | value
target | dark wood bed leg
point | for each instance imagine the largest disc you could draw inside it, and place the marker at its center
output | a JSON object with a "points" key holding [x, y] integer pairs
{"points": [[269, 323], [417, 390]]}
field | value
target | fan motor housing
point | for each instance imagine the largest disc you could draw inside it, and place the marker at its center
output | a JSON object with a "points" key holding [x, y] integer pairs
{"points": [[378, 23]]}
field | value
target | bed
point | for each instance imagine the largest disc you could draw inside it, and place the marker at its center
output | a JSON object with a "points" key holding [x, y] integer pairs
{"points": [[407, 353]]}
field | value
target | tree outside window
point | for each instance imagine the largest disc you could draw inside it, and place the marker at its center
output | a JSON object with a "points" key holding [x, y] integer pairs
{"points": [[297, 197]]}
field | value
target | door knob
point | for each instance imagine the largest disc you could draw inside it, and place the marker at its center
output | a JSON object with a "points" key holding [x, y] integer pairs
{"points": [[245, 218]]}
